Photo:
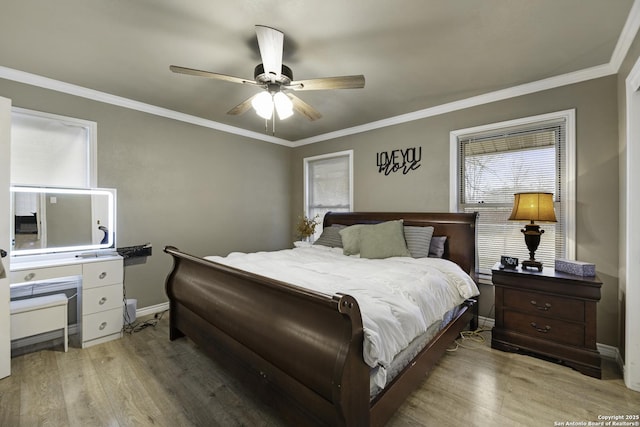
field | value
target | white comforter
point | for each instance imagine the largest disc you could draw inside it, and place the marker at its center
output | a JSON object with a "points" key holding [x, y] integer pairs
{"points": [[398, 297]]}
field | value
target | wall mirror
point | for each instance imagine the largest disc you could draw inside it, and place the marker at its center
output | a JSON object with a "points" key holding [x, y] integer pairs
{"points": [[49, 220]]}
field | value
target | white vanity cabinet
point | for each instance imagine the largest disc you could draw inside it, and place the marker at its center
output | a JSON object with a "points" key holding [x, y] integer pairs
{"points": [[100, 296], [101, 301]]}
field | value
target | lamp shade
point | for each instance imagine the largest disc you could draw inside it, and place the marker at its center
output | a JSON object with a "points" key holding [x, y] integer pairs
{"points": [[533, 207], [263, 104], [283, 104]]}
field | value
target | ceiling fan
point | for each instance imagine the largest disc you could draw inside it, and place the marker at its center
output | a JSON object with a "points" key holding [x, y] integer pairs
{"points": [[277, 81]]}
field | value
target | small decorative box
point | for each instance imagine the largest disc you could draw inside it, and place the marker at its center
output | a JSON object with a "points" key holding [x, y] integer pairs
{"points": [[577, 268]]}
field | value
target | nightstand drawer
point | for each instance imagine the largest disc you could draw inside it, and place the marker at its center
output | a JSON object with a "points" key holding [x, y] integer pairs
{"points": [[544, 328], [543, 304]]}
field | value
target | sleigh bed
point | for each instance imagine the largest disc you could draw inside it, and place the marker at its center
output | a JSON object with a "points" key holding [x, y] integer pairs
{"points": [[301, 350]]}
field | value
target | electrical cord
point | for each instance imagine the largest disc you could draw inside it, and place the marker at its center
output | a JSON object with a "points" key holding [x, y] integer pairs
{"points": [[472, 336], [469, 337], [131, 326], [138, 326]]}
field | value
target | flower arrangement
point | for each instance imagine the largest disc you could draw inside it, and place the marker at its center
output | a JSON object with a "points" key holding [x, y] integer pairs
{"points": [[306, 226]]}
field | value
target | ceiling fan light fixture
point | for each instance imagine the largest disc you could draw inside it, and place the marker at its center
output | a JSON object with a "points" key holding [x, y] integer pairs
{"points": [[274, 77], [283, 104], [263, 104]]}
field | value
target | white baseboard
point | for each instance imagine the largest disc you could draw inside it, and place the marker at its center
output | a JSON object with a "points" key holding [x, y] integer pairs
{"points": [[610, 352], [152, 309], [486, 322]]}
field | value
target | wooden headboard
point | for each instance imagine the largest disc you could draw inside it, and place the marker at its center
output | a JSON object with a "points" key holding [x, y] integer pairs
{"points": [[460, 229]]}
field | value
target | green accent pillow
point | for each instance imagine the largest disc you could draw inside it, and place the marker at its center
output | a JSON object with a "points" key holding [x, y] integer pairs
{"points": [[383, 240], [351, 239]]}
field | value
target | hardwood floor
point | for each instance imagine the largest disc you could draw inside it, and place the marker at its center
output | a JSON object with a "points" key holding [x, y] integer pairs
{"points": [[146, 380]]}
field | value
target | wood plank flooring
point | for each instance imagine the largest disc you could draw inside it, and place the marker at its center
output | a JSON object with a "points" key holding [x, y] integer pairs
{"points": [[146, 380]]}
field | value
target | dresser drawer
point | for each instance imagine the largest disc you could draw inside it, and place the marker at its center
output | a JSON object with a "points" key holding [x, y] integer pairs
{"points": [[543, 304], [102, 298], [33, 274], [544, 327], [101, 324], [102, 273]]}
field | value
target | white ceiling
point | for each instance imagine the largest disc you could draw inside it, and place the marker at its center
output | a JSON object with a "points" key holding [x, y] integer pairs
{"points": [[414, 54]]}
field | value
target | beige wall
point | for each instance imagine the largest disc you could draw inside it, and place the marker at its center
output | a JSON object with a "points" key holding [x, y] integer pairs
{"points": [[427, 188], [204, 191], [208, 192]]}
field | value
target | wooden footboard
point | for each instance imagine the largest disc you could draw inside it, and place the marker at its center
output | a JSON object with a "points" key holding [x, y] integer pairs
{"points": [[303, 348], [307, 345]]}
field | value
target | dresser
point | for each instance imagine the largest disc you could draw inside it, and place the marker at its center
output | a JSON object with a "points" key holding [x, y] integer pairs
{"points": [[100, 296], [549, 314]]}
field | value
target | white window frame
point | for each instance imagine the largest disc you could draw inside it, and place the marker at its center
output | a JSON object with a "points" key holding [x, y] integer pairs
{"points": [[92, 146], [307, 160], [569, 180]]}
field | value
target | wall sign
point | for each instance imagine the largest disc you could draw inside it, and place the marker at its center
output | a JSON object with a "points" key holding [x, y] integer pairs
{"points": [[404, 160]]}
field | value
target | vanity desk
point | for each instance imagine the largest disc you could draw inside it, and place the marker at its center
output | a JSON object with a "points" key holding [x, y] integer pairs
{"points": [[100, 294]]}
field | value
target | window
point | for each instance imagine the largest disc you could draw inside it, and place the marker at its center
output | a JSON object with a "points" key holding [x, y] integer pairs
{"points": [[495, 161], [52, 151], [328, 184]]}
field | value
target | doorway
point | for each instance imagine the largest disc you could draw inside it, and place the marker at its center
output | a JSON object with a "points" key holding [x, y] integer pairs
{"points": [[630, 270]]}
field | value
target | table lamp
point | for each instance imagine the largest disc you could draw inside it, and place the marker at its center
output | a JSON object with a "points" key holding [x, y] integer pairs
{"points": [[533, 207]]}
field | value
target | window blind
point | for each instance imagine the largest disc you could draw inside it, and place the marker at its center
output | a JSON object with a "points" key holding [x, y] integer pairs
{"points": [[328, 185], [496, 164], [51, 151]]}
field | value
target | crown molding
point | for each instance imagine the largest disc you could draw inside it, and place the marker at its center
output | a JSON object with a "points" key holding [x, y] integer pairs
{"points": [[627, 36], [95, 95], [525, 89]]}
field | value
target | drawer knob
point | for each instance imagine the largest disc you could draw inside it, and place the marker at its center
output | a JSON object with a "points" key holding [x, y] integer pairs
{"points": [[102, 325], [544, 330], [102, 275], [29, 276], [545, 307], [102, 300]]}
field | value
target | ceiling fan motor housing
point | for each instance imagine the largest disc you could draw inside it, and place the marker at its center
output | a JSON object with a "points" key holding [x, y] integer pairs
{"points": [[286, 75]]}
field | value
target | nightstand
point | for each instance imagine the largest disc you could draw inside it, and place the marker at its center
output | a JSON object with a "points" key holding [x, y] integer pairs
{"points": [[548, 313]]}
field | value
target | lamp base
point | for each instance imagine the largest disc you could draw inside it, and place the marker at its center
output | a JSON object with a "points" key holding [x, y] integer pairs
{"points": [[531, 263], [532, 234]]}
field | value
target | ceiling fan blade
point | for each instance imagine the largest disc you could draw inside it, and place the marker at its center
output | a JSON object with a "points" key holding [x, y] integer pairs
{"points": [[271, 44], [210, 75], [242, 107], [303, 108], [342, 82]]}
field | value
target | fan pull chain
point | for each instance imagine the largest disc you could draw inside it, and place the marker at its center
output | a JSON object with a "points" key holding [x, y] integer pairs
{"points": [[273, 126]]}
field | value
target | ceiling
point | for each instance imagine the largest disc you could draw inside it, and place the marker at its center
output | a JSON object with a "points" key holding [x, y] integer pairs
{"points": [[414, 54]]}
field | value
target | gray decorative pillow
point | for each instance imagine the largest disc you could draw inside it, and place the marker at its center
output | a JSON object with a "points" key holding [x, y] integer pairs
{"points": [[383, 240], [436, 249], [351, 239], [418, 240], [331, 236]]}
